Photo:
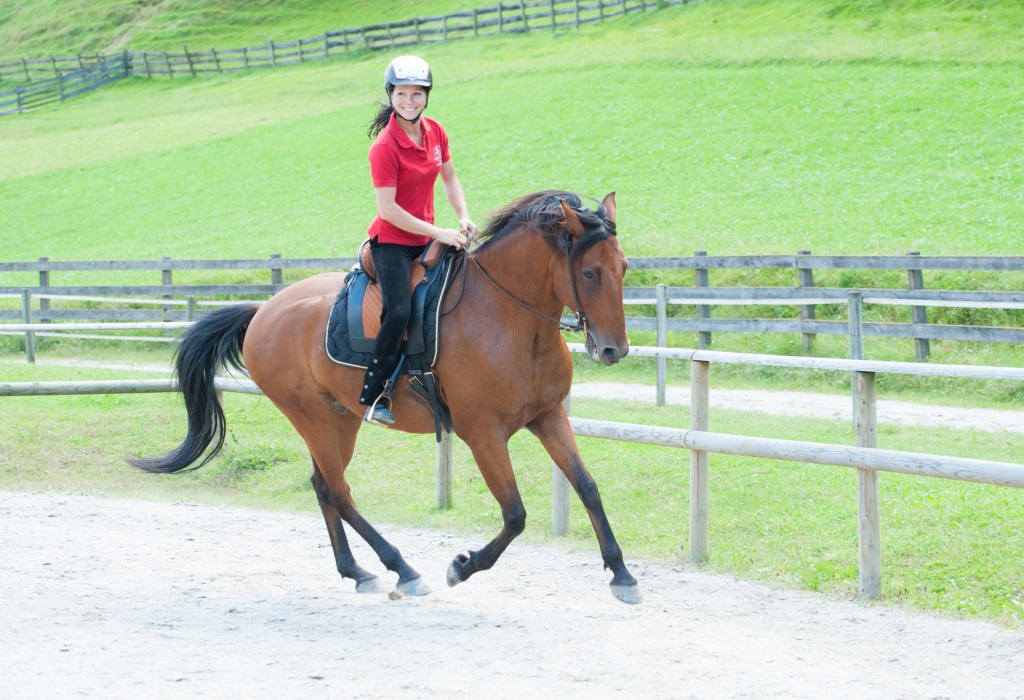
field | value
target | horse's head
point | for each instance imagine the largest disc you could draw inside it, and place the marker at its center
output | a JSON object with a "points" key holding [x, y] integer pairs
{"points": [[591, 281]]}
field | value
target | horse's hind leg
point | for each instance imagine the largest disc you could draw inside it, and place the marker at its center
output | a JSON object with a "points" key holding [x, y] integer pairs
{"points": [[331, 447], [346, 562], [556, 435]]}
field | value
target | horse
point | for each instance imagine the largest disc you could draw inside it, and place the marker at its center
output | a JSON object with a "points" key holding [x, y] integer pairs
{"points": [[503, 365]]}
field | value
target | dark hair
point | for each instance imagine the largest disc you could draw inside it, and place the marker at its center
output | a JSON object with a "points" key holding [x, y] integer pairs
{"points": [[384, 112]]}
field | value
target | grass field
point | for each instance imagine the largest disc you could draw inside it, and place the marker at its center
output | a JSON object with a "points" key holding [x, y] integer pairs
{"points": [[743, 126]]}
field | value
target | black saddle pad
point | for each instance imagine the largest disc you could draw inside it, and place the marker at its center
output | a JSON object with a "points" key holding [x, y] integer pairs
{"points": [[346, 343]]}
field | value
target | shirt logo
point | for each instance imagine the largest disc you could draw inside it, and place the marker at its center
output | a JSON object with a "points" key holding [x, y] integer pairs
{"points": [[437, 156]]}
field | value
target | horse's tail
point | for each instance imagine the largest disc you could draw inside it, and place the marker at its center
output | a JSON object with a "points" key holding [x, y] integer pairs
{"points": [[215, 341]]}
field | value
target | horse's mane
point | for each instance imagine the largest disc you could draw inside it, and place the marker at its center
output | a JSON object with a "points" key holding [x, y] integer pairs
{"points": [[541, 212]]}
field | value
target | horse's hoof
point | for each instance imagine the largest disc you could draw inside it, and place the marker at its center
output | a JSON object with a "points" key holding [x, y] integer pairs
{"points": [[371, 585], [454, 579], [627, 594], [413, 587]]}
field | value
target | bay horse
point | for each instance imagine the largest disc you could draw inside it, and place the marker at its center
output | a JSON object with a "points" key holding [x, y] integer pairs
{"points": [[503, 366]]}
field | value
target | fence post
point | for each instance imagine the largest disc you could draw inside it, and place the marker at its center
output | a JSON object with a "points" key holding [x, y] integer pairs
{"points": [[190, 309], [554, 22], [188, 59], [700, 279], [273, 54], [576, 8], [44, 281], [167, 279], [30, 336], [526, 24], [866, 427], [561, 492], [276, 276], [868, 512], [918, 314], [855, 320], [661, 293], [443, 473], [700, 397], [805, 279]]}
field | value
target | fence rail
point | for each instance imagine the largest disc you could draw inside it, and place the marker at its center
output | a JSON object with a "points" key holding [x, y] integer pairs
{"points": [[45, 76], [701, 308]]}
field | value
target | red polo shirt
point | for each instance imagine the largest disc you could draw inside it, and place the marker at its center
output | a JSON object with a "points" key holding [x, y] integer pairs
{"points": [[396, 161]]}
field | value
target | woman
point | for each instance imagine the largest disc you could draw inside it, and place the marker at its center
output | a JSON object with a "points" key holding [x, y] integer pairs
{"points": [[409, 151]]}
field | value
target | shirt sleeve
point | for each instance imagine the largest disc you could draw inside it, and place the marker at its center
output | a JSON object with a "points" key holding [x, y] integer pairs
{"points": [[442, 141], [383, 166]]}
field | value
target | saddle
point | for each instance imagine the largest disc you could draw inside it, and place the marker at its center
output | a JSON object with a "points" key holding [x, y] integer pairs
{"points": [[354, 321]]}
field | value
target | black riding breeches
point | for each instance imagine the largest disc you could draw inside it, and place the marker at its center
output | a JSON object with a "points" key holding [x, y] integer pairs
{"points": [[394, 265]]}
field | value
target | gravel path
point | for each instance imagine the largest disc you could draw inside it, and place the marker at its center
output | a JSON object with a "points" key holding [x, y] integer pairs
{"points": [[814, 405], [124, 599]]}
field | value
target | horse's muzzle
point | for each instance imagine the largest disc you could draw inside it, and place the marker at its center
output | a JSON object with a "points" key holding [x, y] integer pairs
{"points": [[607, 354]]}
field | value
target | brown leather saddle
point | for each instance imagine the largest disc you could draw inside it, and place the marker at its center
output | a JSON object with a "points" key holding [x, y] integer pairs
{"points": [[365, 304]]}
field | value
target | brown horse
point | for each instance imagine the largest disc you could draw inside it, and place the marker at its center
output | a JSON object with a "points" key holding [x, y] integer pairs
{"points": [[503, 365]]}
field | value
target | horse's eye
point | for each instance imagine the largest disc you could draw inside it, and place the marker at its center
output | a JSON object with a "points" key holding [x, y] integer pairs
{"points": [[589, 275]]}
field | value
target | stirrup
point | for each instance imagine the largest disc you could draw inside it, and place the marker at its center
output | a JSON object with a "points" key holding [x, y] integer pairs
{"points": [[379, 414]]}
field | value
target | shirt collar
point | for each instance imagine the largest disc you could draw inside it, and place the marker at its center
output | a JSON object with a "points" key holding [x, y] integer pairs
{"points": [[401, 137]]}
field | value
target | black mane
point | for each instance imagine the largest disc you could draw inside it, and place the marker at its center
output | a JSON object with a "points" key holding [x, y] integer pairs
{"points": [[541, 212]]}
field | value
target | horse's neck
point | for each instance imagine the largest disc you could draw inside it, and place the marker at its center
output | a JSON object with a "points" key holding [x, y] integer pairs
{"points": [[521, 266]]}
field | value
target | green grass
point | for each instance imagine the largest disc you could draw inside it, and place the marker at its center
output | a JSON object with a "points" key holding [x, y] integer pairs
{"points": [[948, 546]]}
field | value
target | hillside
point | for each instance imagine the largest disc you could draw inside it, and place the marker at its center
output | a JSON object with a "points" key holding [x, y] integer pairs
{"points": [[60, 27], [738, 126]]}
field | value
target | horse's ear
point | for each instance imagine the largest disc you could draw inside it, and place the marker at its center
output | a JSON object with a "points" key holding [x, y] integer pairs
{"points": [[609, 206], [572, 222]]}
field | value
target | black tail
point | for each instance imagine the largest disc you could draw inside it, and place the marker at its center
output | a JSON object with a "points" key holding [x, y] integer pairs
{"points": [[215, 341]]}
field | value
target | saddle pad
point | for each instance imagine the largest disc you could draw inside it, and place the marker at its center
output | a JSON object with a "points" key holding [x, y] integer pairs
{"points": [[355, 316]]}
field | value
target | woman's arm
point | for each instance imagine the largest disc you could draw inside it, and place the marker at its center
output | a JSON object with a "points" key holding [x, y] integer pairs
{"points": [[391, 212], [457, 198]]}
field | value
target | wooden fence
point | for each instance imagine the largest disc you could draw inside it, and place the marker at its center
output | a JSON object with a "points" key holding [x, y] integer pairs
{"points": [[701, 308], [64, 85], [865, 456], [506, 17]]}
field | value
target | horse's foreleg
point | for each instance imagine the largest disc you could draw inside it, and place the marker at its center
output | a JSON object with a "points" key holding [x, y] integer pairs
{"points": [[556, 435], [496, 469]]}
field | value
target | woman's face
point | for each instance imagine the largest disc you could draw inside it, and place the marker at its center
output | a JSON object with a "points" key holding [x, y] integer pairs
{"points": [[409, 100]]}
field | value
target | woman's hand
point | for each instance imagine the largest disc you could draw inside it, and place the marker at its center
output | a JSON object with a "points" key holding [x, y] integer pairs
{"points": [[452, 237], [467, 227]]}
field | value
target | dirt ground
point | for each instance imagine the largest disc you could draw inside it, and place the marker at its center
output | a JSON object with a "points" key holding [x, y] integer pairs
{"points": [[125, 599]]}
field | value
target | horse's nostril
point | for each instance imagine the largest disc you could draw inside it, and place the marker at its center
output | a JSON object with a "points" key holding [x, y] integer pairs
{"points": [[610, 355]]}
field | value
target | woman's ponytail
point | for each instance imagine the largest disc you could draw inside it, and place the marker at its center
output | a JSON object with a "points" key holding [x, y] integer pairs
{"points": [[381, 120]]}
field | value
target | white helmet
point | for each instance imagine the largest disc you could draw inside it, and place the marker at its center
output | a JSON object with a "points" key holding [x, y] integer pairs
{"points": [[407, 70]]}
